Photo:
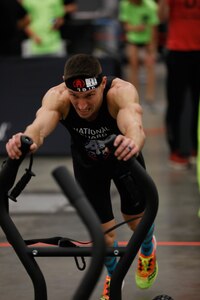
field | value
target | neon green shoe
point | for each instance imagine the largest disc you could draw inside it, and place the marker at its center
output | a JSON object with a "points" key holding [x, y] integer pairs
{"points": [[147, 269], [106, 289]]}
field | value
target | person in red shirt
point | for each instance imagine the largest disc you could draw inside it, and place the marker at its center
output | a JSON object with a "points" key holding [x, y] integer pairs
{"points": [[183, 75]]}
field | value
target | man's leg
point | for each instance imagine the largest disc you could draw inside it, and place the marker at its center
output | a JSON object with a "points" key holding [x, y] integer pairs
{"points": [[110, 261], [147, 268]]}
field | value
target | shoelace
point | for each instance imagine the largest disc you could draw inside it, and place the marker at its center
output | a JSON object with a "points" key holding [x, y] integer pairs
{"points": [[145, 264], [106, 290]]}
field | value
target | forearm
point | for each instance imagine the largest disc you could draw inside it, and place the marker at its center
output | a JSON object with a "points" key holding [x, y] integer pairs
{"points": [[136, 133], [44, 123], [130, 124], [23, 23], [32, 35], [125, 108], [130, 142], [35, 133], [29, 31]]}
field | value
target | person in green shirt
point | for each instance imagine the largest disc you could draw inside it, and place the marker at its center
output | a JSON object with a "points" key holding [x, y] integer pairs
{"points": [[43, 33], [139, 19]]}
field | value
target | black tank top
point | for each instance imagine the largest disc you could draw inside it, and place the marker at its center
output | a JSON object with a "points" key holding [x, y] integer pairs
{"points": [[87, 138]]}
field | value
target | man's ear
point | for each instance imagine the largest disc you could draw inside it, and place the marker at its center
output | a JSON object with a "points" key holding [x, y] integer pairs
{"points": [[104, 80]]}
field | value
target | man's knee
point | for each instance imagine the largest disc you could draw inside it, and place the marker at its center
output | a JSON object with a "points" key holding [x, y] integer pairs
{"points": [[110, 238], [133, 223]]}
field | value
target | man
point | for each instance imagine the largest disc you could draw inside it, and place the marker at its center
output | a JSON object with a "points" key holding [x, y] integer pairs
{"points": [[182, 82], [92, 107]]}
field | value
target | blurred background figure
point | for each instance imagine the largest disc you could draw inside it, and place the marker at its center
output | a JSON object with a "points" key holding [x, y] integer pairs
{"points": [[140, 21], [13, 20], [198, 154], [107, 30], [67, 29], [44, 31], [183, 78]]}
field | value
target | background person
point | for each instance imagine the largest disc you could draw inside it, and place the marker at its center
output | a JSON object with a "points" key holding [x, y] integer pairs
{"points": [[43, 32], [68, 29], [198, 155], [183, 73], [140, 20], [91, 107]]}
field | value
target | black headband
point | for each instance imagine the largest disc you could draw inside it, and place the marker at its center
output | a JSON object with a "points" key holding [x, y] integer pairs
{"points": [[83, 83]]}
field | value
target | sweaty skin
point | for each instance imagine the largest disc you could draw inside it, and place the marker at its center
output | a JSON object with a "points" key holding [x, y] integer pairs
{"points": [[123, 105]]}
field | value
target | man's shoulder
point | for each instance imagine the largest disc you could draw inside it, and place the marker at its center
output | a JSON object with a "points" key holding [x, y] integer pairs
{"points": [[57, 99], [58, 95], [118, 82], [58, 89], [119, 86]]}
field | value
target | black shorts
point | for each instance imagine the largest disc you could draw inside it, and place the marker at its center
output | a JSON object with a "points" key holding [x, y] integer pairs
{"points": [[95, 180]]}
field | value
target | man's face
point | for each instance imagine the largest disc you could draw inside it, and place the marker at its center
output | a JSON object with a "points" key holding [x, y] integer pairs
{"points": [[87, 103]]}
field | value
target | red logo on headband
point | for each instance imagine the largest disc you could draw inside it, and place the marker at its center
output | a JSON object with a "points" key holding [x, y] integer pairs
{"points": [[78, 83]]}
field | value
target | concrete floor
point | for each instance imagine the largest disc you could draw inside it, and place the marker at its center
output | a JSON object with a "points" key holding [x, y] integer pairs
{"points": [[42, 211]]}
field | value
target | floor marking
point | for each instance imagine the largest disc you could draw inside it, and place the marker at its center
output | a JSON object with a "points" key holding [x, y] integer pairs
{"points": [[170, 243], [122, 244]]}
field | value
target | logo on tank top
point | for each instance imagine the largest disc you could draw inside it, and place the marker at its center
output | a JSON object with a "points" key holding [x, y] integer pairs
{"points": [[96, 150], [94, 141]]}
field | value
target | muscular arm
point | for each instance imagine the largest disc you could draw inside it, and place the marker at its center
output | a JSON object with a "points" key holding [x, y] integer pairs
{"points": [[128, 112], [44, 123], [129, 120], [47, 118]]}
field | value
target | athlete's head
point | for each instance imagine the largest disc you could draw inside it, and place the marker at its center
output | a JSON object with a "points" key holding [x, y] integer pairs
{"points": [[82, 72], [85, 83]]}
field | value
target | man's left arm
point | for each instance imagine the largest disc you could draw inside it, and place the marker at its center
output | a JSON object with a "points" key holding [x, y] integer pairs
{"points": [[129, 121]]}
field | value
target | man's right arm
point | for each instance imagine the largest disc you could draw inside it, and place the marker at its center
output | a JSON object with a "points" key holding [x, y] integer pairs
{"points": [[47, 118]]}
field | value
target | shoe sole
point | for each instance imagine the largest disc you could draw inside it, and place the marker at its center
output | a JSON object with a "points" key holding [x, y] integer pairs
{"points": [[179, 167]]}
